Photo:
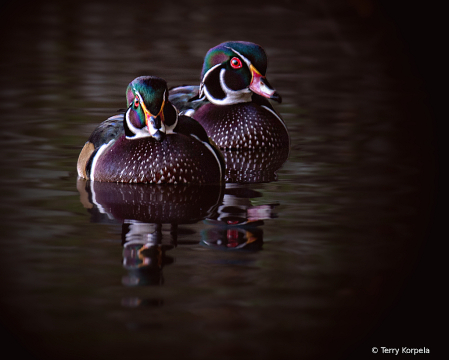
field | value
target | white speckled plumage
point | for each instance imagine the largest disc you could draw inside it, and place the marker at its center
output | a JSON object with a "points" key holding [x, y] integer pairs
{"points": [[150, 142]]}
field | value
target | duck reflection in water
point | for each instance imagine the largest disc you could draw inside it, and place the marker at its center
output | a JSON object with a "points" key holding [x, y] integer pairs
{"points": [[151, 214], [150, 217], [237, 223], [144, 252]]}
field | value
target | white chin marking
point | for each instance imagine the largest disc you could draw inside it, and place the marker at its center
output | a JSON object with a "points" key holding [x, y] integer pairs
{"points": [[232, 96], [138, 133]]}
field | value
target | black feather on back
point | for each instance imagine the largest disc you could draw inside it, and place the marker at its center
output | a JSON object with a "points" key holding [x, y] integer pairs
{"points": [[108, 130], [186, 98], [260, 100], [188, 126]]}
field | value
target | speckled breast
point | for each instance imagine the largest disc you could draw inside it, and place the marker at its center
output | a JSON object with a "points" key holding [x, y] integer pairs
{"points": [[254, 166], [177, 159], [242, 126]]}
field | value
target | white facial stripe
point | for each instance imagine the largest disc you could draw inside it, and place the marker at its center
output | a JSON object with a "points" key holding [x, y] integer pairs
{"points": [[265, 89], [244, 58], [146, 131], [143, 103], [139, 133], [202, 86], [235, 96], [208, 71], [232, 96], [138, 95]]}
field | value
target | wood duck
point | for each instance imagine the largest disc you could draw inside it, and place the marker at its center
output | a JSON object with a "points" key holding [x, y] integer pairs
{"points": [[231, 102], [150, 143]]}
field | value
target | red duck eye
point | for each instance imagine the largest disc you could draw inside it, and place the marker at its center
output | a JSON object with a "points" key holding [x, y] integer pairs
{"points": [[236, 63], [136, 101]]}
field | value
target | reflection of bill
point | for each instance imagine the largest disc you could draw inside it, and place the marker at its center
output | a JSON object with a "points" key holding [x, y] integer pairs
{"points": [[237, 209], [144, 252], [237, 224], [249, 238], [261, 212]]}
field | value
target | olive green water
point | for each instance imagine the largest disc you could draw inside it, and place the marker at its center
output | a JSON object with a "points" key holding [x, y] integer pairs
{"points": [[332, 242]]}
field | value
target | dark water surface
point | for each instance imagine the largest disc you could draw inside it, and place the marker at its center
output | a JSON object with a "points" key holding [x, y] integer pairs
{"points": [[324, 254]]}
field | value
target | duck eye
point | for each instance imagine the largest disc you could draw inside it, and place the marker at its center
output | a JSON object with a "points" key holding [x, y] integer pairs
{"points": [[136, 101], [236, 63]]}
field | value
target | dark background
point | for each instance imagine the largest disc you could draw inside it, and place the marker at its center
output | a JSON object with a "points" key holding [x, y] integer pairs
{"points": [[416, 38]]}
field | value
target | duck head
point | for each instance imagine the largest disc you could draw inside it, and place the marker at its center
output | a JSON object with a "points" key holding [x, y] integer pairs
{"points": [[233, 71], [149, 112]]}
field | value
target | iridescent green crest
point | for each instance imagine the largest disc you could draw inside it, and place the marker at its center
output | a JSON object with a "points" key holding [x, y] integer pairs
{"points": [[150, 90], [223, 52]]}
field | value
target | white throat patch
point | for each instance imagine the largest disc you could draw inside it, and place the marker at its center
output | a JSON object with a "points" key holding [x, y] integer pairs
{"points": [[232, 96], [169, 129], [139, 133]]}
